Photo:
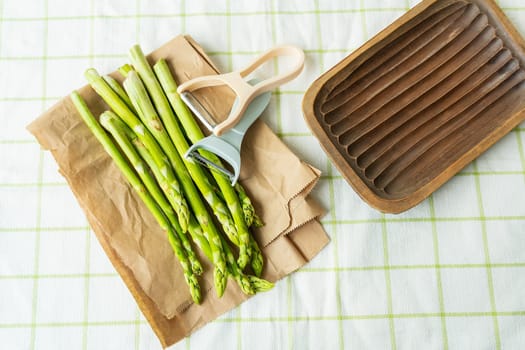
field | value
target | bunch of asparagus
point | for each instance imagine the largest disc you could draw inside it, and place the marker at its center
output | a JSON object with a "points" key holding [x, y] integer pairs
{"points": [[147, 132]]}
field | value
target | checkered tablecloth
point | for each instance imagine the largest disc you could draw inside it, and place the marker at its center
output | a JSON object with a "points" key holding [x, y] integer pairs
{"points": [[449, 273]]}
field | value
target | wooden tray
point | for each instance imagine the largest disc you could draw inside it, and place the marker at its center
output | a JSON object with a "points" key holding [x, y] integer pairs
{"points": [[418, 102]]}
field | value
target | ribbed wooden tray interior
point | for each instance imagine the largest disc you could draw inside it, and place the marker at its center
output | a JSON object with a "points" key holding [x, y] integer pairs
{"points": [[424, 98]]}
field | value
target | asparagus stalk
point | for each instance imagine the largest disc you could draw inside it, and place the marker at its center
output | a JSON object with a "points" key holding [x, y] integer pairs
{"points": [[241, 279], [259, 284], [165, 112], [247, 206], [249, 284], [194, 133], [199, 237], [119, 90], [173, 191], [201, 213], [257, 221], [192, 129], [125, 69], [257, 262], [146, 111], [136, 183], [156, 172], [120, 132]]}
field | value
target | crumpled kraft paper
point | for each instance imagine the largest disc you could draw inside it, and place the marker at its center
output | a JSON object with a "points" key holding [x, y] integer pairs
{"points": [[277, 181]]}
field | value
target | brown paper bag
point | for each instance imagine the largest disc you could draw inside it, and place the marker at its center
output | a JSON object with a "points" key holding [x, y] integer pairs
{"points": [[277, 181]]}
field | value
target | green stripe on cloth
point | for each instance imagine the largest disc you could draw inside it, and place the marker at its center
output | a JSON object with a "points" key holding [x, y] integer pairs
{"points": [[490, 280], [438, 272]]}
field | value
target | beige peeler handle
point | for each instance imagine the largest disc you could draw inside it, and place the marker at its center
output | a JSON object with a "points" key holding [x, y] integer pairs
{"points": [[244, 91]]}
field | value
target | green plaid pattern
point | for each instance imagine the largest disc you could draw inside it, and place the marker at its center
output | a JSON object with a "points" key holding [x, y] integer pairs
{"points": [[448, 274]]}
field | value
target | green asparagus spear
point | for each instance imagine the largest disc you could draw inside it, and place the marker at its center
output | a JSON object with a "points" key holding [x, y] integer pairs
{"points": [[200, 211], [165, 113], [259, 284], [146, 111], [241, 279], [120, 132], [139, 146], [257, 262], [136, 183], [194, 133], [115, 85], [194, 228], [191, 128], [199, 238], [173, 191], [197, 268], [249, 284], [257, 221], [125, 69], [247, 206]]}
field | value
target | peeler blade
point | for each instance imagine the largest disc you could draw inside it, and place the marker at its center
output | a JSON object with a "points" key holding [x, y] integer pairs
{"points": [[213, 166], [198, 109], [220, 148]]}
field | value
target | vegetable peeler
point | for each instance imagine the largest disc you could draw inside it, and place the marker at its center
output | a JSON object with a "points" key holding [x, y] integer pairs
{"points": [[252, 97]]}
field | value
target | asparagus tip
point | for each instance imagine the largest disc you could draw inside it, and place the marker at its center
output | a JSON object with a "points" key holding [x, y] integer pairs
{"points": [[257, 221], [246, 284], [244, 256], [260, 285], [220, 280], [195, 290]]}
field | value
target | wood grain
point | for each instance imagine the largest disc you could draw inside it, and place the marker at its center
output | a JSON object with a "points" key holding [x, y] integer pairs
{"points": [[418, 102]]}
